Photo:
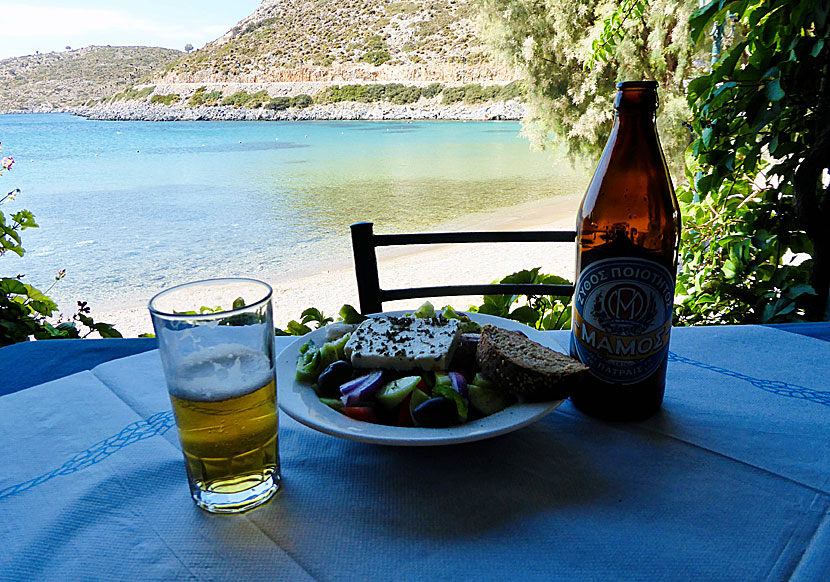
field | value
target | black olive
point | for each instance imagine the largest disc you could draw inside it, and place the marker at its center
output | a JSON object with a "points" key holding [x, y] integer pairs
{"points": [[436, 413], [330, 379]]}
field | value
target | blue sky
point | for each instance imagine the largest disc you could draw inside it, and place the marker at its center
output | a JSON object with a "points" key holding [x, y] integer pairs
{"points": [[52, 25]]}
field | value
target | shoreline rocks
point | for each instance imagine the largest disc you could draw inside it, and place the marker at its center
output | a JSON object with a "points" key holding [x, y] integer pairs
{"points": [[142, 111]]}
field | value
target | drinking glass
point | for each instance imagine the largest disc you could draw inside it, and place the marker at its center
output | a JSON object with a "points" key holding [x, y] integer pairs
{"points": [[216, 341]]}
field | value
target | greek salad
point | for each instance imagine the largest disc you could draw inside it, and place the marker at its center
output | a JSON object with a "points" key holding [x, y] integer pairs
{"points": [[416, 370]]}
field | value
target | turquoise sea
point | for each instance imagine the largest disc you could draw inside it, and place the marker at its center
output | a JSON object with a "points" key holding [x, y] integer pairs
{"points": [[128, 208]]}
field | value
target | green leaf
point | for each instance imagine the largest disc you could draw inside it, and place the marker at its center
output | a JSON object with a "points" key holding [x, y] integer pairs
{"points": [[44, 307], [106, 330], [706, 136], [25, 219], [522, 277], [525, 314], [774, 91], [314, 314], [773, 144], [12, 286], [349, 314], [699, 21], [697, 86], [798, 290], [490, 309], [295, 328]]}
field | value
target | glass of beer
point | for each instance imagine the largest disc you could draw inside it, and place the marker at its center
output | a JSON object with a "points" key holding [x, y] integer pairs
{"points": [[216, 341]]}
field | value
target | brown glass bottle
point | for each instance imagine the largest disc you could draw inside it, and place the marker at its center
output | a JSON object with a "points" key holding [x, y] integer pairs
{"points": [[628, 230]]}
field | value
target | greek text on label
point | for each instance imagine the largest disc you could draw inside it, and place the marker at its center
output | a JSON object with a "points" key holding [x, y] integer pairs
{"points": [[620, 348]]}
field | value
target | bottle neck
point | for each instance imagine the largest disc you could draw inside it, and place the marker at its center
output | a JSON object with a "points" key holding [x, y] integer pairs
{"points": [[634, 126], [635, 116]]}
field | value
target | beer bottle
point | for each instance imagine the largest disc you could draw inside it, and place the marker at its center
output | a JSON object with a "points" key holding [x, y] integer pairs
{"points": [[628, 230]]}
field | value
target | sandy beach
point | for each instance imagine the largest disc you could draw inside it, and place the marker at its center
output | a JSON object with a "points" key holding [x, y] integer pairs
{"points": [[330, 284]]}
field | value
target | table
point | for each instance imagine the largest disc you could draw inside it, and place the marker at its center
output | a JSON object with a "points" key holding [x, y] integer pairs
{"points": [[730, 481]]}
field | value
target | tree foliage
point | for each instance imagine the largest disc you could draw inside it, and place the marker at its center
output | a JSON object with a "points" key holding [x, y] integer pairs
{"points": [[574, 53], [538, 311], [757, 204], [756, 245]]}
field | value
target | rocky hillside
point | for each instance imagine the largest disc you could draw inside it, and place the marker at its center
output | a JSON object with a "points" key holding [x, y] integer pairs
{"points": [[78, 76], [349, 41], [290, 59]]}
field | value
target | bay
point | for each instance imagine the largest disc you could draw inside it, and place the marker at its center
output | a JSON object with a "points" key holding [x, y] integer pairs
{"points": [[129, 208]]}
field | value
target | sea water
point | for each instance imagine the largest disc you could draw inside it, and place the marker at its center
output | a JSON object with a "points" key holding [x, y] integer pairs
{"points": [[129, 208]]}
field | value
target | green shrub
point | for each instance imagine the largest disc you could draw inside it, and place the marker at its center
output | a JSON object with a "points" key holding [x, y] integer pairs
{"points": [[278, 104], [475, 94], [301, 101], [392, 92], [143, 93], [164, 99], [198, 97], [432, 90], [406, 95], [540, 311], [402, 94], [452, 95], [512, 90], [132, 94], [212, 97], [376, 57], [244, 99], [238, 99], [323, 59], [377, 52], [257, 99], [543, 312]]}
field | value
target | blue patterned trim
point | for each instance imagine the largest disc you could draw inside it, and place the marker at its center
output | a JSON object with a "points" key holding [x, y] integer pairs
{"points": [[774, 386], [157, 424]]}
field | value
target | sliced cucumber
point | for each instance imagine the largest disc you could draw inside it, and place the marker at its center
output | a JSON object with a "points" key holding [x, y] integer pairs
{"points": [[489, 400], [418, 398], [393, 393]]}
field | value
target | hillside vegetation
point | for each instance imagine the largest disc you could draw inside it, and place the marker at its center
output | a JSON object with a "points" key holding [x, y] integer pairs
{"points": [[69, 78], [286, 54], [404, 38]]}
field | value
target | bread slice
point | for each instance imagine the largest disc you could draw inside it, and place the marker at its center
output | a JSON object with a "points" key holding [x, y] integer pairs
{"points": [[517, 364]]}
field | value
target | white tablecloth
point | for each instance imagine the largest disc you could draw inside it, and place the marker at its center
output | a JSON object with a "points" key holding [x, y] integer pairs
{"points": [[730, 481]]}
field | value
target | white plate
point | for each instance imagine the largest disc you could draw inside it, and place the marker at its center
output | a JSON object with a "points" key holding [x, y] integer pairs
{"points": [[301, 403]]}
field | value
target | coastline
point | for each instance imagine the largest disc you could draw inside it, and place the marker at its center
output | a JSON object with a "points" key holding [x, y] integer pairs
{"points": [[512, 110], [329, 284]]}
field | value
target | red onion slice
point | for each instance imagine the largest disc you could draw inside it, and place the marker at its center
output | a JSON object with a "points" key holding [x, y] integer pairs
{"points": [[358, 390], [459, 384]]}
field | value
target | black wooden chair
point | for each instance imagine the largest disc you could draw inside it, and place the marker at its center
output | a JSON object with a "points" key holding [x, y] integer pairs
{"points": [[372, 297]]}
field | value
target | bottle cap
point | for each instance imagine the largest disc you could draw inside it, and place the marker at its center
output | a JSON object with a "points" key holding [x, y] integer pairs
{"points": [[636, 95]]}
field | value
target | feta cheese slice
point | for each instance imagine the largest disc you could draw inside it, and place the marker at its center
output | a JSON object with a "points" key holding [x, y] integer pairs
{"points": [[403, 343]]}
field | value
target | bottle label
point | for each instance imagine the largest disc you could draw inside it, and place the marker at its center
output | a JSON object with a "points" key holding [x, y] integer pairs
{"points": [[622, 318]]}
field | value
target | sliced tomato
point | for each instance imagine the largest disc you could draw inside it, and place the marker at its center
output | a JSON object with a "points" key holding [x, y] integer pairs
{"points": [[364, 413]]}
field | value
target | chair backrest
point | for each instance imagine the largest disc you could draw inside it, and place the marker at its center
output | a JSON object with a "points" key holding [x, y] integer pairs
{"points": [[371, 296]]}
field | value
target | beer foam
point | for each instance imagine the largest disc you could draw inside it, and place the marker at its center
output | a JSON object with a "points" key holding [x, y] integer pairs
{"points": [[220, 372]]}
